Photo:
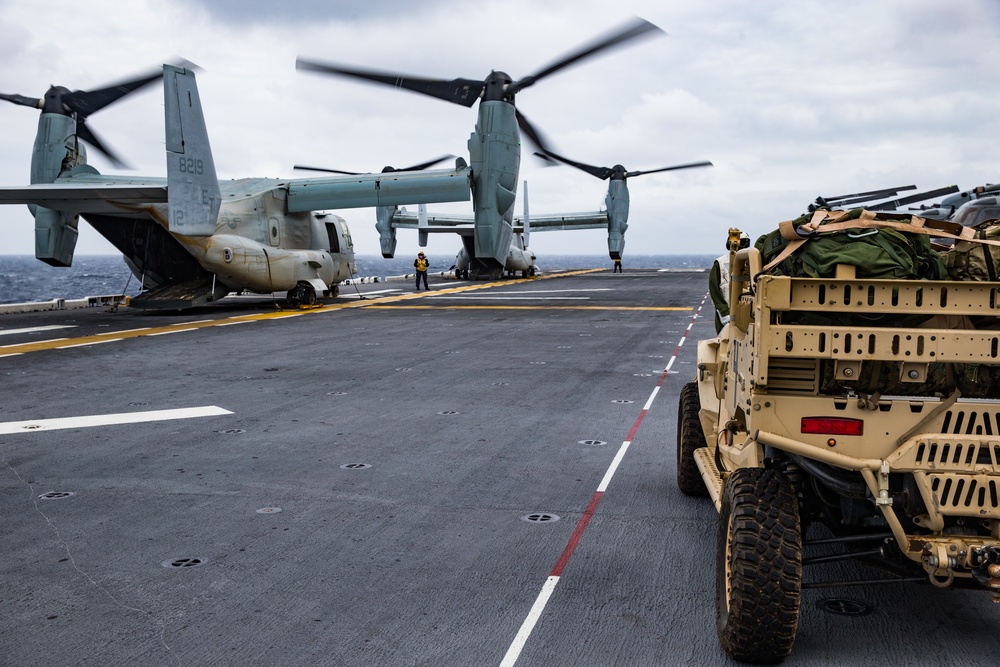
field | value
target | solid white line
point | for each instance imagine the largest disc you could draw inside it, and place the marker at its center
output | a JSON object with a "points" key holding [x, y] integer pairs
{"points": [[164, 333], [603, 486], [93, 342], [539, 607], [529, 623], [115, 333], [5, 332], [108, 420], [652, 397]]}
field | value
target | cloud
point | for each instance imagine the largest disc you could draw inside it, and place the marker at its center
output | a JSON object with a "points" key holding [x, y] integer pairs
{"points": [[790, 100]]}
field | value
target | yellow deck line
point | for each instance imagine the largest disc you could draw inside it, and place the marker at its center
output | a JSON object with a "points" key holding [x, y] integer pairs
{"points": [[109, 336]]}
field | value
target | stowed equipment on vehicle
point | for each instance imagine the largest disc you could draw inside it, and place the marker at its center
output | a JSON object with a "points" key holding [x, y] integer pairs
{"points": [[856, 386]]}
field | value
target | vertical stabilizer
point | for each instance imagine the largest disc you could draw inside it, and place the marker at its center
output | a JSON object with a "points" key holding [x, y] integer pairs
{"points": [[192, 187]]}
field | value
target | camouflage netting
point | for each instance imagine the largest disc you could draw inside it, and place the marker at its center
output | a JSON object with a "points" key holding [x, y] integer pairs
{"points": [[967, 260]]}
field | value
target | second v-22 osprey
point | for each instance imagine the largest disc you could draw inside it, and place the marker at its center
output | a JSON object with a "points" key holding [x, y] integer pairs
{"points": [[191, 238], [495, 240]]}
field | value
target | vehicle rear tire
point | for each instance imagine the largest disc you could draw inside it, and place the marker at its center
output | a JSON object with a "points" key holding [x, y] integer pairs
{"points": [[758, 566], [690, 436]]}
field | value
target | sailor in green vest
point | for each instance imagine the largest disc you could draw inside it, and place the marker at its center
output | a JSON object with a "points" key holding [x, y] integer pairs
{"points": [[421, 264]]}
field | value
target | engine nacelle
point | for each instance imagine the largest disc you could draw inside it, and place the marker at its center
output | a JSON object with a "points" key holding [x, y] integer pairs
{"points": [[386, 232], [617, 203], [55, 236]]}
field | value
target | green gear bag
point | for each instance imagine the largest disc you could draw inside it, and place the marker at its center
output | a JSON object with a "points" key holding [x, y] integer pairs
{"points": [[877, 253]]}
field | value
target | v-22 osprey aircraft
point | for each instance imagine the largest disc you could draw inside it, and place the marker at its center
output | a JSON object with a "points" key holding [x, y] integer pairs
{"points": [[190, 238]]}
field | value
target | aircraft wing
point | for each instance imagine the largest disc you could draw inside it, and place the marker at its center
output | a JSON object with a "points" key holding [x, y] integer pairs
{"points": [[556, 222], [404, 220], [393, 188], [90, 193], [564, 221]]}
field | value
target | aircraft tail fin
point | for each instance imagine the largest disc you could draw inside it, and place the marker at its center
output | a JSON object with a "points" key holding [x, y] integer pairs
{"points": [[193, 195]]}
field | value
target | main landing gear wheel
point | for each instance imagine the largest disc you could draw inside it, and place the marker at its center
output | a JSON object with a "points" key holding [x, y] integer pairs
{"points": [[302, 294], [690, 437], [758, 566]]}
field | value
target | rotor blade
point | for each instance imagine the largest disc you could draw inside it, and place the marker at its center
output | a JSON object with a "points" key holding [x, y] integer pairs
{"points": [[84, 102], [22, 100], [424, 165], [690, 165], [85, 133], [600, 172], [331, 171], [897, 203], [534, 136], [859, 197], [457, 91], [631, 30], [416, 167]]}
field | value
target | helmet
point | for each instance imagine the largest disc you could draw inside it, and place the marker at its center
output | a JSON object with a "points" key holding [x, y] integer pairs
{"points": [[420, 254]]}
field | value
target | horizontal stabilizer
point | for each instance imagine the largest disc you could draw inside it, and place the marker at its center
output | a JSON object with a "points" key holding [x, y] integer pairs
{"points": [[89, 194]]}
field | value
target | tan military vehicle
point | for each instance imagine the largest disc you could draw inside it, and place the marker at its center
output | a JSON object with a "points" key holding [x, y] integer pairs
{"points": [[884, 428]]}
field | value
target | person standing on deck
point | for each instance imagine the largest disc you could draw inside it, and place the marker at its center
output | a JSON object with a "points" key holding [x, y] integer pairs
{"points": [[421, 264]]}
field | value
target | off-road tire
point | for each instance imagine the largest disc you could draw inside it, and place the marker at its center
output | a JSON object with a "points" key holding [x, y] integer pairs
{"points": [[758, 566], [690, 437]]}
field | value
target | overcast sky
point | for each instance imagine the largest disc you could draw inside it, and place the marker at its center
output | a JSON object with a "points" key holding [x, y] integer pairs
{"points": [[789, 98]]}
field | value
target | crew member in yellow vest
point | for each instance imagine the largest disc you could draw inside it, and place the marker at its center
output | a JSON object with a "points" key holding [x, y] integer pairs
{"points": [[718, 284], [421, 264]]}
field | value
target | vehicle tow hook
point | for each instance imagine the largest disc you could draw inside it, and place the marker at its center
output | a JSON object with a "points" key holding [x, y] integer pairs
{"points": [[985, 566]]}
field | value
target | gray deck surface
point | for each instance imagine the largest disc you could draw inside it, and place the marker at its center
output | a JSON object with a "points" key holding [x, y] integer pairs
{"points": [[468, 409]]}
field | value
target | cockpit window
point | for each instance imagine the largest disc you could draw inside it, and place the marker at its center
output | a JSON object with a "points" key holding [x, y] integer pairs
{"points": [[988, 213], [969, 216]]}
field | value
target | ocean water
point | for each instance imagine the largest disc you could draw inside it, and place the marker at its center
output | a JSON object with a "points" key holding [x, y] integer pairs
{"points": [[23, 278]]}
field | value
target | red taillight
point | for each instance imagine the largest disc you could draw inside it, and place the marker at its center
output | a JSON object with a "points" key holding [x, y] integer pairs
{"points": [[833, 426]]}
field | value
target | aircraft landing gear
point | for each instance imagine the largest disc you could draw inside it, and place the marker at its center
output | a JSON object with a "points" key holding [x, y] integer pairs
{"points": [[303, 294]]}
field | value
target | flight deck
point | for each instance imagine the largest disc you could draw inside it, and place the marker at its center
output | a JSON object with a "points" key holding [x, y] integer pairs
{"points": [[479, 474]]}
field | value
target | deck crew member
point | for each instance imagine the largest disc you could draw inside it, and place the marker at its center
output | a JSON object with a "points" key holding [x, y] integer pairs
{"points": [[718, 282], [421, 264]]}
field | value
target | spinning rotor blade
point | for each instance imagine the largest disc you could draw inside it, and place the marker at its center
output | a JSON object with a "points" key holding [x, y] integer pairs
{"points": [[457, 91], [631, 30], [604, 173], [534, 136], [690, 165], [496, 86], [416, 167], [600, 172], [80, 104], [85, 133], [83, 103], [22, 100], [329, 171]]}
